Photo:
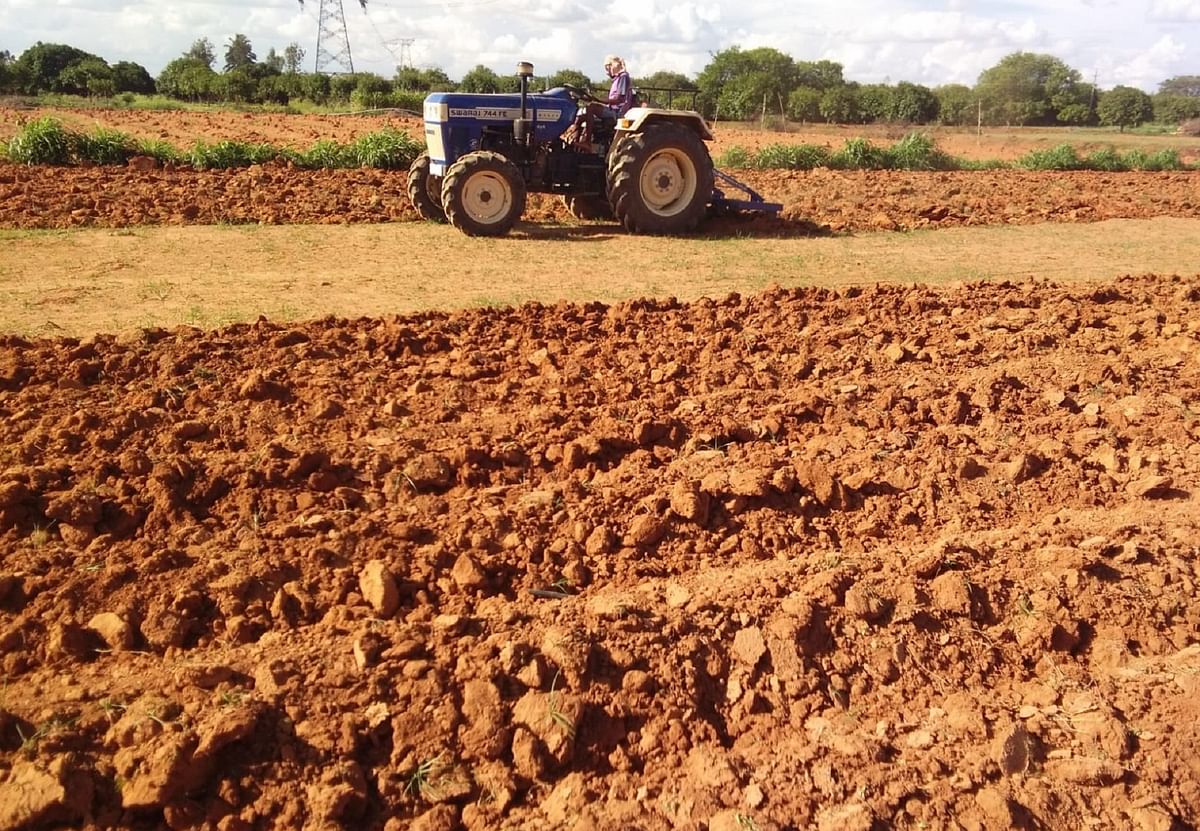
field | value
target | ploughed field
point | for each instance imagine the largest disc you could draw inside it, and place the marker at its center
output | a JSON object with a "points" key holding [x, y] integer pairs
{"points": [[814, 202], [880, 557]]}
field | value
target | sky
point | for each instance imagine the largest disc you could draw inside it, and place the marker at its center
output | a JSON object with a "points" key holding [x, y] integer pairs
{"points": [[1136, 43]]}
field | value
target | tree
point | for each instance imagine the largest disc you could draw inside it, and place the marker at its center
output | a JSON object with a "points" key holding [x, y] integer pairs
{"points": [[315, 87], [237, 84], [1026, 88], [91, 76], [569, 76], [371, 92], [293, 57], [411, 79], [648, 88], [839, 105], [41, 65], [1124, 107], [132, 77], [481, 79], [1175, 109], [665, 80], [875, 102], [1188, 85], [6, 75], [956, 104], [774, 78], [913, 104], [238, 52], [274, 61], [202, 50], [804, 104], [189, 79], [1075, 115], [819, 75], [746, 96], [435, 79]]}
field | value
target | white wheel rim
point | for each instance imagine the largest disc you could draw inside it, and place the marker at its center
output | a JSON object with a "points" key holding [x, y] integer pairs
{"points": [[433, 189], [668, 181], [487, 197]]}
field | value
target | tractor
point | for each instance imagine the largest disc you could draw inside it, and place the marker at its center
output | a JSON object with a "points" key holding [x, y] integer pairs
{"points": [[649, 169]]}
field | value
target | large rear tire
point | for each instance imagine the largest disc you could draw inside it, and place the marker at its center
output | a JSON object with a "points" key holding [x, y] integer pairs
{"points": [[425, 190], [588, 207], [660, 180], [483, 194]]}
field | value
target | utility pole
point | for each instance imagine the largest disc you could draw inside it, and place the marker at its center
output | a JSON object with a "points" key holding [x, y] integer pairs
{"points": [[406, 52], [333, 40]]}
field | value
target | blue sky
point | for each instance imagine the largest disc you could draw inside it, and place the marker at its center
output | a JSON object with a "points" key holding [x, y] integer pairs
{"points": [[1114, 41]]}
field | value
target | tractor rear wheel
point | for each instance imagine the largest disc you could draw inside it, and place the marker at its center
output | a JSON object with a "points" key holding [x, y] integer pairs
{"points": [[588, 207], [483, 194], [660, 180], [425, 190]]}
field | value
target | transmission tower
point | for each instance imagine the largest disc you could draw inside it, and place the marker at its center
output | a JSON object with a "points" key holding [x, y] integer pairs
{"points": [[406, 52], [333, 41]]}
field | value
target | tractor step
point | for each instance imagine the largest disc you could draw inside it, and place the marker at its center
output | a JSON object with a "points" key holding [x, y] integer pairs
{"points": [[753, 202]]}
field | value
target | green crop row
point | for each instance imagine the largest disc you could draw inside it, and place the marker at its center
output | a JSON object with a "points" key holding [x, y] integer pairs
{"points": [[47, 141], [917, 151]]}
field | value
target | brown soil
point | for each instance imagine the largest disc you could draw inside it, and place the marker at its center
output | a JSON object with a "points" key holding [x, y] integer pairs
{"points": [[822, 200], [894, 557], [862, 558]]}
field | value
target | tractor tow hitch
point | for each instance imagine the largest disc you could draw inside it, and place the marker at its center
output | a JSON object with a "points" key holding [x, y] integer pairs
{"points": [[754, 202]]}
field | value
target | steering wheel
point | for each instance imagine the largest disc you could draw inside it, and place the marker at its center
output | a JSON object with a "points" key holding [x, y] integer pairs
{"points": [[578, 93]]}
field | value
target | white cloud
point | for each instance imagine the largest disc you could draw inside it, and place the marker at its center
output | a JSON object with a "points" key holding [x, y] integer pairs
{"points": [[925, 41], [1175, 10], [1146, 69]]}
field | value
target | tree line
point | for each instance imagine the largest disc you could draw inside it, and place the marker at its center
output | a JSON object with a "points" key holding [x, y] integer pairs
{"points": [[1023, 89]]}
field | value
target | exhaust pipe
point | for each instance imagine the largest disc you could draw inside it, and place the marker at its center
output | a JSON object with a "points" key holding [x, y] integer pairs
{"points": [[522, 134]]}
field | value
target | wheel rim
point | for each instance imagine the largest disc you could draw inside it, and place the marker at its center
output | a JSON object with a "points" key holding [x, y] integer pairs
{"points": [[487, 197], [668, 181], [433, 189]]}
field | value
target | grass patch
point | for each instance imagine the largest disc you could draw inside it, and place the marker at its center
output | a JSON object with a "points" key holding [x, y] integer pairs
{"points": [[919, 151], [47, 142], [43, 141]]}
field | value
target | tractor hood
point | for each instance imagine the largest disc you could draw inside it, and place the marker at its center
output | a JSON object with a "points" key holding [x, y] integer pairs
{"points": [[454, 121]]}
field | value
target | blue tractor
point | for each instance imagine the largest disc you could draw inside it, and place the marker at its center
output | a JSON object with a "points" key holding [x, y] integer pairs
{"points": [[650, 169]]}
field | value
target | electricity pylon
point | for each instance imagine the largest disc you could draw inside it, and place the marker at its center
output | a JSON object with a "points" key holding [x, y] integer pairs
{"points": [[333, 41]]}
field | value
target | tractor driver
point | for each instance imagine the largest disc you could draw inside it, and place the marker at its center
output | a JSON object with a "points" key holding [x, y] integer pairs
{"points": [[620, 95]]}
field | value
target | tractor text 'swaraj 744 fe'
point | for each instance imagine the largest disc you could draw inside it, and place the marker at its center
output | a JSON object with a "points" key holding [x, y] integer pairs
{"points": [[649, 169]]}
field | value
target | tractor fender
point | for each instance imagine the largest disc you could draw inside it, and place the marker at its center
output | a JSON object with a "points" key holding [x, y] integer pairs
{"points": [[638, 118]]}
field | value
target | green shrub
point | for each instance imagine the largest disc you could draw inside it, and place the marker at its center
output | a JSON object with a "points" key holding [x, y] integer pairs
{"points": [[791, 157], [43, 141], [164, 151], [411, 101], [1106, 159], [918, 151], [327, 154], [105, 146], [1165, 159], [388, 149], [734, 157], [226, 154], [859, 154], [1061, 157], [773, 157]]}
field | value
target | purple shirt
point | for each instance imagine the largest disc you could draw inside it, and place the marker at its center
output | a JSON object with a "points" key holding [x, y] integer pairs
{"points": [[620, 94]]}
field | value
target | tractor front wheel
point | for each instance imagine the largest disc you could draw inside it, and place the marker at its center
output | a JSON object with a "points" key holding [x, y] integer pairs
{"points": [[425, 190], [483, 194], [660, 180]]}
